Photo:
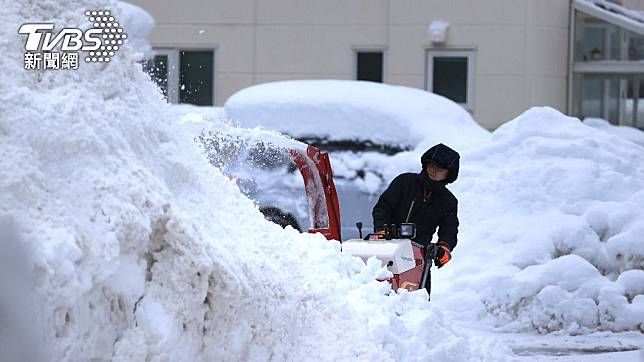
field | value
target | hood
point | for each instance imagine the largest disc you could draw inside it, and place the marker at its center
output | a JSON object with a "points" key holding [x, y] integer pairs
{"points": [[444, 156]]}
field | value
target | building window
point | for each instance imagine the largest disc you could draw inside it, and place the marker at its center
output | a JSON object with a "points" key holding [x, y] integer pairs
{"points": [[196, 77], [607, 76], [450, 73], [183, 76], [369, 66]]}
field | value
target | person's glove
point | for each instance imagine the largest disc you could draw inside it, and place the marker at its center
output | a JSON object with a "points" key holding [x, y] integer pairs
{"points": [[443, 254]]}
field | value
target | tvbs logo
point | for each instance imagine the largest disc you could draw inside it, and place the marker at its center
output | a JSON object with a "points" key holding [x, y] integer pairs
{"points": [[100, 42]]}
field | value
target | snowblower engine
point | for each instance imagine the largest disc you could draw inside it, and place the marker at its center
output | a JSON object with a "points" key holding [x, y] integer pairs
{"points": [[404, 258]]}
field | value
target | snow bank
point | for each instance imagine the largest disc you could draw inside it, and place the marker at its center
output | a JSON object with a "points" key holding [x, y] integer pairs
{"points": [[142, 251], [629, 133], [552, 234], [351, 110], [139, 24]]}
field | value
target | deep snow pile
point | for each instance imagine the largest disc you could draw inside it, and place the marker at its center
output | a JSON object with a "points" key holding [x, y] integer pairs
{"points": [[142, 251], [360, 111], [552, 234]]}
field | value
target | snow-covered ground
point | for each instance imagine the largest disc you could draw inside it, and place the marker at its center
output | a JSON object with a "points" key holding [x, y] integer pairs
{"points": [[552, 229], [122, 242]]}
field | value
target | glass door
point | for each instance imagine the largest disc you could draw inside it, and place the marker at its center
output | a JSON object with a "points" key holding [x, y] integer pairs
{"points": [[617, 98], [634, 102]]}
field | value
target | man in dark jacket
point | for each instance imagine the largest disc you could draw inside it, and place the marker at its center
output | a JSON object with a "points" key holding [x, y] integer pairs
{"points": [[422, 199]]}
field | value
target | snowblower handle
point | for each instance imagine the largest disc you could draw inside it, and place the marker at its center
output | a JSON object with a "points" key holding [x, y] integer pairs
{"points": [[430, 253]]}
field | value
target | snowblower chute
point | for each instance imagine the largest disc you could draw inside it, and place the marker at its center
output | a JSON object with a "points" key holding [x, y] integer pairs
{"points": [[316, 171]]}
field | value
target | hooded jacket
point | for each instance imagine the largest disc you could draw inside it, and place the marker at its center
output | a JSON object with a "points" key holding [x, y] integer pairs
{"points": [[434, 206]]}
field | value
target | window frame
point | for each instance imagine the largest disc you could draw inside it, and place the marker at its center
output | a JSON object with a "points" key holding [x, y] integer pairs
{"points": [[174, 68], [469, 53], [173, 71], [369, 49]]}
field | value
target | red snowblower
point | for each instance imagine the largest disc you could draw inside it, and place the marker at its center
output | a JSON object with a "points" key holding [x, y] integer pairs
{"points": [[404, 258]]}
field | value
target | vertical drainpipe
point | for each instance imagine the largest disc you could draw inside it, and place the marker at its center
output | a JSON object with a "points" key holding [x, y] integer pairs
{"points": [[254, 77], [530, 39], [571, 45], [385, 53], [636, 100]]}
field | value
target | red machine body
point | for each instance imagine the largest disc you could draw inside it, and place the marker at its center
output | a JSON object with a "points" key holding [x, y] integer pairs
{"points": [[322, 198], [411, 278]]}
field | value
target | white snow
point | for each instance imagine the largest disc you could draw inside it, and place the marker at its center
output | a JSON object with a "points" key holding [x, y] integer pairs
{"points": [[143, 251], [128, 245], [351, 110], [138, 25], [551, 235], [616, 9], [632, 134], [438, 31]]}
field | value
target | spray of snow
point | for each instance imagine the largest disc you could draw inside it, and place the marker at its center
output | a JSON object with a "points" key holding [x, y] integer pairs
{"points": [[140, 250]]}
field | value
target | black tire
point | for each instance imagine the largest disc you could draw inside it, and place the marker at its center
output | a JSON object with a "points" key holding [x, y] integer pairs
{"points": [[280, 218]]}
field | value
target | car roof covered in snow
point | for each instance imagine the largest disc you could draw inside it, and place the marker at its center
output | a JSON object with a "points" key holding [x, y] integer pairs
{"points": [[341, 110]]}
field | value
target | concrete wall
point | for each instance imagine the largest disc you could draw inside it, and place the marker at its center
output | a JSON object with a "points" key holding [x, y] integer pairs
{"points": [[521, 45], [634, 4]]}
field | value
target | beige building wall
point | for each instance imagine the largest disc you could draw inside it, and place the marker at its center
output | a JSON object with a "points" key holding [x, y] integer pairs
{"points": [[633, 4], [521, 50], [521, 45]]}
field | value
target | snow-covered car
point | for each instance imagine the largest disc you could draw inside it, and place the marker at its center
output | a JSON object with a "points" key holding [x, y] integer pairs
{"points": [[372, 131]]}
